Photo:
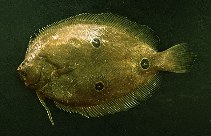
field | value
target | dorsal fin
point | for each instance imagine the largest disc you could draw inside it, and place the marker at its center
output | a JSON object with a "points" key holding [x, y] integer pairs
{"points": [[121, 104], [142, 32]]}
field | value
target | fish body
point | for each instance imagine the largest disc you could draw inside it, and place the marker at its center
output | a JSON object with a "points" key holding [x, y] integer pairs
{"points": [[98, 64]]}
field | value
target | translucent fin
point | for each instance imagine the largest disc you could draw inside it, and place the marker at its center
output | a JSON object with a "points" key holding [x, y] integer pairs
{"points": [[178, 58], [117, 105], [41, 99], [142, 32]]}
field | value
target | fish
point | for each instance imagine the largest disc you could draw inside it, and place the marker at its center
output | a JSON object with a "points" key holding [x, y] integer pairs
{"points": [[98, 64]]}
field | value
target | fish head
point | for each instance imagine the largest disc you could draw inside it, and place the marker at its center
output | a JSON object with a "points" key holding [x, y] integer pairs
{"points": [[29, 73]]}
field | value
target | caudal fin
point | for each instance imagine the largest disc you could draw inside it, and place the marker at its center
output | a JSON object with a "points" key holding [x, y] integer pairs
{"points": [[178, 59]]}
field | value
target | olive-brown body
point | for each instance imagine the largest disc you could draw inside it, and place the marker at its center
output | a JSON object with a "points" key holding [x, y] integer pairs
{"points": [[96, 64]]}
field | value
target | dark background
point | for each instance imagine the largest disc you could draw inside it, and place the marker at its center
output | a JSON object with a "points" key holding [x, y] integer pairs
{"points": [[182, 105]]}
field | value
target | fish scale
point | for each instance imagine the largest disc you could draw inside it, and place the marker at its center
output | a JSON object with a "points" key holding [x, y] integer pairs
{"points": [[98, 64]]}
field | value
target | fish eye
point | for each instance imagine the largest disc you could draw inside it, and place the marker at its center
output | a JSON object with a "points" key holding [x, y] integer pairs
{"points": [[145, 63], [99, 86], [25, 62], [22, 74], [95, 42]]}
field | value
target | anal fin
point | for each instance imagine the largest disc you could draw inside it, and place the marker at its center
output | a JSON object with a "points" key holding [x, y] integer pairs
{"points": [[121, 104]]}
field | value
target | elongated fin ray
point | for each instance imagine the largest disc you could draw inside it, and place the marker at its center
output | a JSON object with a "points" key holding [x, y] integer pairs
{"points": [[120, 104], [41, 99]]}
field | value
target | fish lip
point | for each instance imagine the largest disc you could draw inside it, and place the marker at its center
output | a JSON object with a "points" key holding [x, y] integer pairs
{"points": [[19, 68], [21, 73]]}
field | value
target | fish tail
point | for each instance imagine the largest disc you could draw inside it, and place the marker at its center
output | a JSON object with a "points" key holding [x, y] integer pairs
{"points": [[178, 59]]}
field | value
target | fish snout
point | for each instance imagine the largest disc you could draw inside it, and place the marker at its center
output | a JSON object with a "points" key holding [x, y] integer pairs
{"points": [[29, 74]]}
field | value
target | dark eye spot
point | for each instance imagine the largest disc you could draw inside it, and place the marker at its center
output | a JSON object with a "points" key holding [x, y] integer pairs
{"points": [[144, 63], [99, 86], [96, 42]]}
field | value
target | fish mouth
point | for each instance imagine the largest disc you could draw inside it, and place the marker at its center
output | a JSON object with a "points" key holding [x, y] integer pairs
{"points": [[21, 73], [31, 80]]}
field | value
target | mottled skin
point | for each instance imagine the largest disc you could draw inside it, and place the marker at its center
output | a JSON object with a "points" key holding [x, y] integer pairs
{"points": [[97, 64], [69, 66]]}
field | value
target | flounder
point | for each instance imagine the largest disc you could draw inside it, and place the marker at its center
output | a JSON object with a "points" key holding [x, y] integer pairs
{"points": [[98, 64]]}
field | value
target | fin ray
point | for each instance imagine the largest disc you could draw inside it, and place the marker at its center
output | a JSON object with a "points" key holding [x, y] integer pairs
{"points": [[178, 58], [142, 32], [121, 104], [41, 99]]}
